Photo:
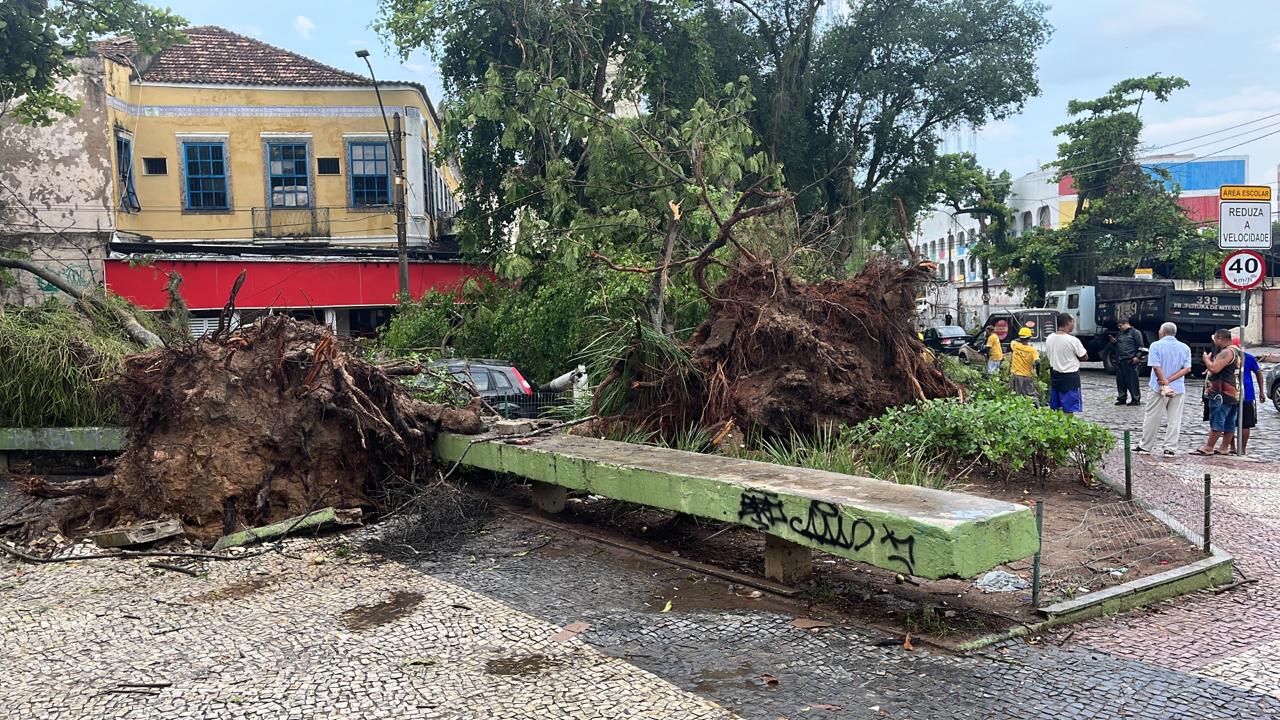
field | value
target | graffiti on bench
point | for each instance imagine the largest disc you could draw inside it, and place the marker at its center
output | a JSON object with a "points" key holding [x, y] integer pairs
{"points": [[826, 524]]}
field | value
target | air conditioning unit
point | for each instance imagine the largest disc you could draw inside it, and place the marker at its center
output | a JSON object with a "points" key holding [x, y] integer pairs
{"points": [[444, 226]]}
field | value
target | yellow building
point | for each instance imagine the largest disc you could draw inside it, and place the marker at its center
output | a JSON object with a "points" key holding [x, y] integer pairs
{"points": [[230, 154], [226, 137]]}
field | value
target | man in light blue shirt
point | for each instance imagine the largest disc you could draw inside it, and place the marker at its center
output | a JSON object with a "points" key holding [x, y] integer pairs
{"points": [[1170, 361]]}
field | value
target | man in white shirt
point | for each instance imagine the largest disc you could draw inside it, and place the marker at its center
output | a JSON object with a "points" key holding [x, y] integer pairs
{"points": [[1065, 353], [1170, 361]]}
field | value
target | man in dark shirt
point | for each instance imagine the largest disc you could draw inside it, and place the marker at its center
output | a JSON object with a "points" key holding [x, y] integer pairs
{"points": [[1128, 344]]}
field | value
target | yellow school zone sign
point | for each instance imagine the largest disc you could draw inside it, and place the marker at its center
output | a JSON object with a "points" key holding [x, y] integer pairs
{"points": [[1244, 192]]}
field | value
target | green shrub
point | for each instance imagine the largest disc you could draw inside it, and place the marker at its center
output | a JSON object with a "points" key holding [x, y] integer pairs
{"points": [[1004, 436]]}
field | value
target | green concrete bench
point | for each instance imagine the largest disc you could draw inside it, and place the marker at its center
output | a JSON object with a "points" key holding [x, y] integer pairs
{"points": [[910, 530], [67, 439]]}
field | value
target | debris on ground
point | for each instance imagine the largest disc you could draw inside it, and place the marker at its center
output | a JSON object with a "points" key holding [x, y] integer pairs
{"points": [[246, 428], [1000, 581], [139, 534], [328, 517], [778, 355]]}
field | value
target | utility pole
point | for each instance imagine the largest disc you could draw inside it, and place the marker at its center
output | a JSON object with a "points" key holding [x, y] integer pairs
{"points": [[402, 236], [395, 143]]}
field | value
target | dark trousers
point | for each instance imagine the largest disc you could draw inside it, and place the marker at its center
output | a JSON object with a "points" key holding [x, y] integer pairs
{"points": [[1127, 381]]}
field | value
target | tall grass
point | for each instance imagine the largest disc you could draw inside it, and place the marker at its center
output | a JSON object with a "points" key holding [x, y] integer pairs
{"points": [[845, 451], [55, 364]]}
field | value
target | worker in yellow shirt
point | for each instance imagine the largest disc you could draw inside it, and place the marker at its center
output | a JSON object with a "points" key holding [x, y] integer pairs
{"points": [[927, 354], [1022, 368], [995, 353]]}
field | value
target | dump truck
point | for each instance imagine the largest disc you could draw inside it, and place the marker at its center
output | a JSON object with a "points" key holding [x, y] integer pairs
{"points": [[1098, 308]]}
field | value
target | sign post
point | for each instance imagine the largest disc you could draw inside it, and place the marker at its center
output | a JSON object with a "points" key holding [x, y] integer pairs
{"points": [[1244, 225]]}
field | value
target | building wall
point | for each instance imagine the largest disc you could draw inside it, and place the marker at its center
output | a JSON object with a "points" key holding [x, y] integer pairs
{"points": [[55, 202], [160, 117], [75, 257]]}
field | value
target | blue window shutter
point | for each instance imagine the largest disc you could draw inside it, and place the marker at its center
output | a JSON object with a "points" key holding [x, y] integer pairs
{"points": [[206, 175]]}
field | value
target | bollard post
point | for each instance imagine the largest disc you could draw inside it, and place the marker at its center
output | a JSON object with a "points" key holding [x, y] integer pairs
{"points": [[1128, 468], [1035, 564], [1207, 512]]}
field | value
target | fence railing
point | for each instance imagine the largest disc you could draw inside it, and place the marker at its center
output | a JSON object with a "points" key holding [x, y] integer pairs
{"points": [[290, 222]]}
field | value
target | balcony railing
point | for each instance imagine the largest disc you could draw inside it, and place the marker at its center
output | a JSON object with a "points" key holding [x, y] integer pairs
{"points": [[290, 222]]}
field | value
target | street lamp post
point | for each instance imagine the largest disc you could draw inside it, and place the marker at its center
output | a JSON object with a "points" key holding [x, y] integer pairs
{"points": [[395, 146]]}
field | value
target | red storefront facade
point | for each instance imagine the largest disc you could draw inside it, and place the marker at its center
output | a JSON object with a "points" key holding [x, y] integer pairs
{"points": [[351, 295]]}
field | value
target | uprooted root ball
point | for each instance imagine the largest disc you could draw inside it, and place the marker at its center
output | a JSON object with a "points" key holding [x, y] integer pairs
{"points": [[778, 356], [266, 423]]}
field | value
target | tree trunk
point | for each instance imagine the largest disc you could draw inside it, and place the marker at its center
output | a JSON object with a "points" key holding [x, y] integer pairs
{"points": [[655, 301], [87, 300]]}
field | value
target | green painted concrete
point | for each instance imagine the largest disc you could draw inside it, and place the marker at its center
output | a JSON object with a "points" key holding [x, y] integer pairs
{"points": [[73, 439], [928, 533], [1210, 572]]}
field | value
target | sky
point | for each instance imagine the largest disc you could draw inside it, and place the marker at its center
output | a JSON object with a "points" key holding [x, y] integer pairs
{"points": [[1227, 51]]}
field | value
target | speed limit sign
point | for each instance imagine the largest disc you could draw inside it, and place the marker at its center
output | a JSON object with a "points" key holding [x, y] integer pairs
{"points": [[1243, 269]]}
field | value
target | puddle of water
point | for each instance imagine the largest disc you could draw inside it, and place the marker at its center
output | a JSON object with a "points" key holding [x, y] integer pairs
{"points": [[523, 665], [234, 591], [710, 681], [363, 617], [694, 593]]}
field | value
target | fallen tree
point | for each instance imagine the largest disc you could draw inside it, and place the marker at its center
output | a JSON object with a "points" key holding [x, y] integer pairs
{"points": [[246, 428], [776, 355]]}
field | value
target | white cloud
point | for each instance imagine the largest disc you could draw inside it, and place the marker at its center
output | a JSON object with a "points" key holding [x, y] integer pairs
{"points": [[414, 67], [303, 25], [1148, 19], [253, 30]]}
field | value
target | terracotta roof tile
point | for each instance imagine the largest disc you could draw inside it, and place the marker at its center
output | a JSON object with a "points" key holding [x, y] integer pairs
{"points": [[217, 56]]}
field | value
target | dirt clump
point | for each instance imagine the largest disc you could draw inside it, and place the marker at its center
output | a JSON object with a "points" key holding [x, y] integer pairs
{"points": [[777, 355], [251, 427]]}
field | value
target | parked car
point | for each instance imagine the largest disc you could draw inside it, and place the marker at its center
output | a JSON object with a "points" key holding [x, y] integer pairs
{"points": [[945, 340], [1271, 381], [502, 386]]}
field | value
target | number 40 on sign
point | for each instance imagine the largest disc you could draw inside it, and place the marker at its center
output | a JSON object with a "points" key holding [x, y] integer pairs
{"points": [[1243, 269]]}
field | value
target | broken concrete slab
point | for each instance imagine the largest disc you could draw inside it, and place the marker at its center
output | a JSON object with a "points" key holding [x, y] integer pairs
{"points": [[311, 521], [138, 534], [513, 427], [911, 530]]}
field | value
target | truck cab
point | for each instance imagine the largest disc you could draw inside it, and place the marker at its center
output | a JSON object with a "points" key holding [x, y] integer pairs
{"points": [[1078, 301]]}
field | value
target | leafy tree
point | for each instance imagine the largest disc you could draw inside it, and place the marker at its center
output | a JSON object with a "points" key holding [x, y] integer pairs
{"points": [[1125, 212], [961, 184], [38, 36], [559, 165], [854, 109]]}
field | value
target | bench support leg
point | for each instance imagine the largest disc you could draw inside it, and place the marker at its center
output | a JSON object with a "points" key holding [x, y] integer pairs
{"points": [[549, 498], [785, 561]]}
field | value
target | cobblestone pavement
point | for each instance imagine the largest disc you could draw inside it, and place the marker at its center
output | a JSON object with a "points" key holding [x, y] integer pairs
{"points": [[1235, 636], [478, 634], [715, 643], [283, 638]]}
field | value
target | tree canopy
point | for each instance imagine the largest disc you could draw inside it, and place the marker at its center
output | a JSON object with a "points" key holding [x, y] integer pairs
{"points": [[844, 112], [38, 37]]}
